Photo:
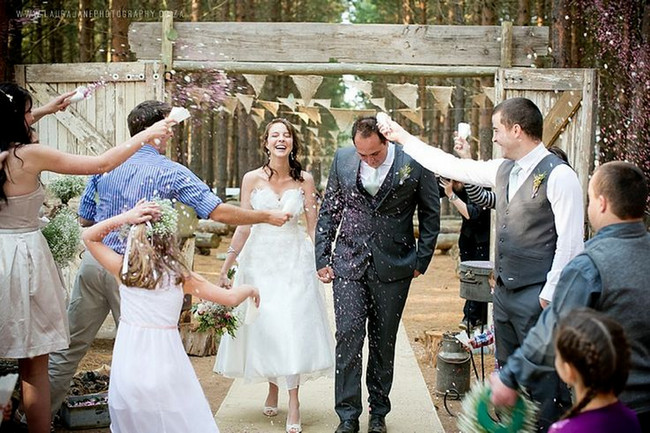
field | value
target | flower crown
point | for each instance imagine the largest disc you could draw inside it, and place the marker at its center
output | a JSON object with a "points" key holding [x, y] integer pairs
{"points": [[167, 224]]}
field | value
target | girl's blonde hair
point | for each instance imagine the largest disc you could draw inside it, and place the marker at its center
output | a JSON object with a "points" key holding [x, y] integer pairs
{"points": [[151, 257]]}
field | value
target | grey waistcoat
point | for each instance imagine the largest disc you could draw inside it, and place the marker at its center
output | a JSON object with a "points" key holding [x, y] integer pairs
{"points": [[525, 231], [624, 268]]}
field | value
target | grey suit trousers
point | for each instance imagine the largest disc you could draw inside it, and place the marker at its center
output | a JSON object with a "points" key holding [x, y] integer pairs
{"points": [[380, 306], [94, 294]]}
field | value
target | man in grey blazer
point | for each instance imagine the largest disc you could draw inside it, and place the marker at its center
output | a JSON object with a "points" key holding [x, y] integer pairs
{"points": [[372, 193]]}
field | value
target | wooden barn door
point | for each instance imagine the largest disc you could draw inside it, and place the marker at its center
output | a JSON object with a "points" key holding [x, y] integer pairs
{"points": [[95, 124], [568, 101]]}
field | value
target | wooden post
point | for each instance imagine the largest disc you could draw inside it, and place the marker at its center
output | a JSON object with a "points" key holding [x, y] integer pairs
{"points": [[506, 44], [167, 31]]}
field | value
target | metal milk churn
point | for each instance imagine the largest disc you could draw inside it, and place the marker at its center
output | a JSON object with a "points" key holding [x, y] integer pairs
{"points": [[453, 369]]}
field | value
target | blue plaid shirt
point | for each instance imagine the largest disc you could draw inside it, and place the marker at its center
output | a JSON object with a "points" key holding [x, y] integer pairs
{"points": [[147, 174]]}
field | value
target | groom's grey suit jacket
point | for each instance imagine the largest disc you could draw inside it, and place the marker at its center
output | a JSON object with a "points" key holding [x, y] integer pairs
{"points": [[379, 228]]}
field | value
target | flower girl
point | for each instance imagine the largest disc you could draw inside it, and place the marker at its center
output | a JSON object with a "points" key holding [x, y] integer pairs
{"points": [[153, 386]]}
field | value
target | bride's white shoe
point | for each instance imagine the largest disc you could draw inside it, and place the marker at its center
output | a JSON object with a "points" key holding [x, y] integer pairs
{"points": [[294, 428]]}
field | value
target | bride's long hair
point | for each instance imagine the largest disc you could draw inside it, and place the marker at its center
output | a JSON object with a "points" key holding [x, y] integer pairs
{"points": [[295, 168]]}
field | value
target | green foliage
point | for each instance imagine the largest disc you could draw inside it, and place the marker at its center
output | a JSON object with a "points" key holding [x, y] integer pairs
{"points": [[63, 235], [67, 187]]}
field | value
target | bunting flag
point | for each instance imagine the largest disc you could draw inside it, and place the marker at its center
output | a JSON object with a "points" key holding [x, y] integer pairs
{"points": [[271, 106], [326, 103], [258, 112], [414, 116], [442, 95], [480, 99], [257, 118], [489, 92], [407, 93], [298, 128], [345, 118], [246, 101], [230, 104], [334, 134], [379, 103], [307, 85], [312, 112], [362, 86], [256, 82], [304, 117], [313, 131], [289, 102]]}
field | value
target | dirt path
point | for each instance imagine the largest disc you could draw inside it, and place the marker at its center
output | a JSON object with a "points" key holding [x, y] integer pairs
{"points": [[433, 304]]}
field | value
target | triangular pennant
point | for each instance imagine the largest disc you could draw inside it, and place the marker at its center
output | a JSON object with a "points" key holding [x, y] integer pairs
{"points": [[289, 102], [344, 118], [271, 106], [489, 92], [246, 101], [479, 99], [304, 117], [230, 104], [259, 112], [313, 131], [407, 93], [413, 116], [379, 102], [257, 118], [327, 103], [256, 82], [362, 86], [307, 85], [442, 95], [312, 112], [334, 134], [298, 128]]}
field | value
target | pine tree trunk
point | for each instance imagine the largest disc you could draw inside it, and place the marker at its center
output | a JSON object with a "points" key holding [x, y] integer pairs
{"points": [[119, 31], [560, 34], [85, 27], [221, 148]]}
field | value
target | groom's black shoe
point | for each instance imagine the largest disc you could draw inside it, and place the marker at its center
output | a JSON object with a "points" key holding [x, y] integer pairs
{"points": [[377, 424], [348, 426]]}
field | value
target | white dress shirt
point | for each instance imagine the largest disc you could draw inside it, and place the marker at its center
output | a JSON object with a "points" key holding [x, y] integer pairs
{"points": [[366, 171], [563, 192]]}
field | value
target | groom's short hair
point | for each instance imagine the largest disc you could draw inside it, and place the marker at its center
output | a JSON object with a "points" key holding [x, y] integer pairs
{"points": [[366, 126]]}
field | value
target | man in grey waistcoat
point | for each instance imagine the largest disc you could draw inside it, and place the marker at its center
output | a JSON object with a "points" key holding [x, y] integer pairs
{"points": [[611, 275], [539, 224], [373, 190]]}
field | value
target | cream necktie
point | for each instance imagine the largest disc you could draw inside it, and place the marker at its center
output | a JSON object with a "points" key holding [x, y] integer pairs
{"points": [[372, 182], [513, 182]]}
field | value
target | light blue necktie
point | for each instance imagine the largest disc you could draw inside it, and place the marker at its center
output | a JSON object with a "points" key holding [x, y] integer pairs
{"points": [[372, 182], [513, 182]]}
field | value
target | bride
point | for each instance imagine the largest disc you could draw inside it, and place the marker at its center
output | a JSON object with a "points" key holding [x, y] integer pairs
{"points": [[290, 339]]}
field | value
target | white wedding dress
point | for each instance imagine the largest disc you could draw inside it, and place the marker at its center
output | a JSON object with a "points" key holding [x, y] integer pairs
{"points": [[290, 340]]}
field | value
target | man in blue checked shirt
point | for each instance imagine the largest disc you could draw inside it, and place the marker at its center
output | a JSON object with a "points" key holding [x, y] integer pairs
{"points": [[147, 174]]}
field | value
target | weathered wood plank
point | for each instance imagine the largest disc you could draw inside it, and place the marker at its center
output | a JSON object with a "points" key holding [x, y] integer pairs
{"points": [[560, 114], [84, 72], [341, 43], [337, 68], [506, 45], [167, 44], [541, 79], [70, 118]]}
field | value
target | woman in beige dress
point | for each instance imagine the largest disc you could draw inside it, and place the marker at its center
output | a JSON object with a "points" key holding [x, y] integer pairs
{"points": [[32, 297]]}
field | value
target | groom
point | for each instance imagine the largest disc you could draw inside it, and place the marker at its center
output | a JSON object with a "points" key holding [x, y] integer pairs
{"points": [[372, 193]]}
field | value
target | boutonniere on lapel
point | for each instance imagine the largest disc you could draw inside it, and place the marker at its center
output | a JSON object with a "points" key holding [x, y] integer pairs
{"points": [[538, 179], [404, 173]]}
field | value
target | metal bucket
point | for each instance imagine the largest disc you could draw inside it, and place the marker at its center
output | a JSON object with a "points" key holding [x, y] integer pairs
{"points": [[475, 280], [453, 369]]}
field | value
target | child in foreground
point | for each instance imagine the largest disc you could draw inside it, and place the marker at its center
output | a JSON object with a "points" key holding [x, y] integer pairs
{"points": [[593, 356], [153, 385]]}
